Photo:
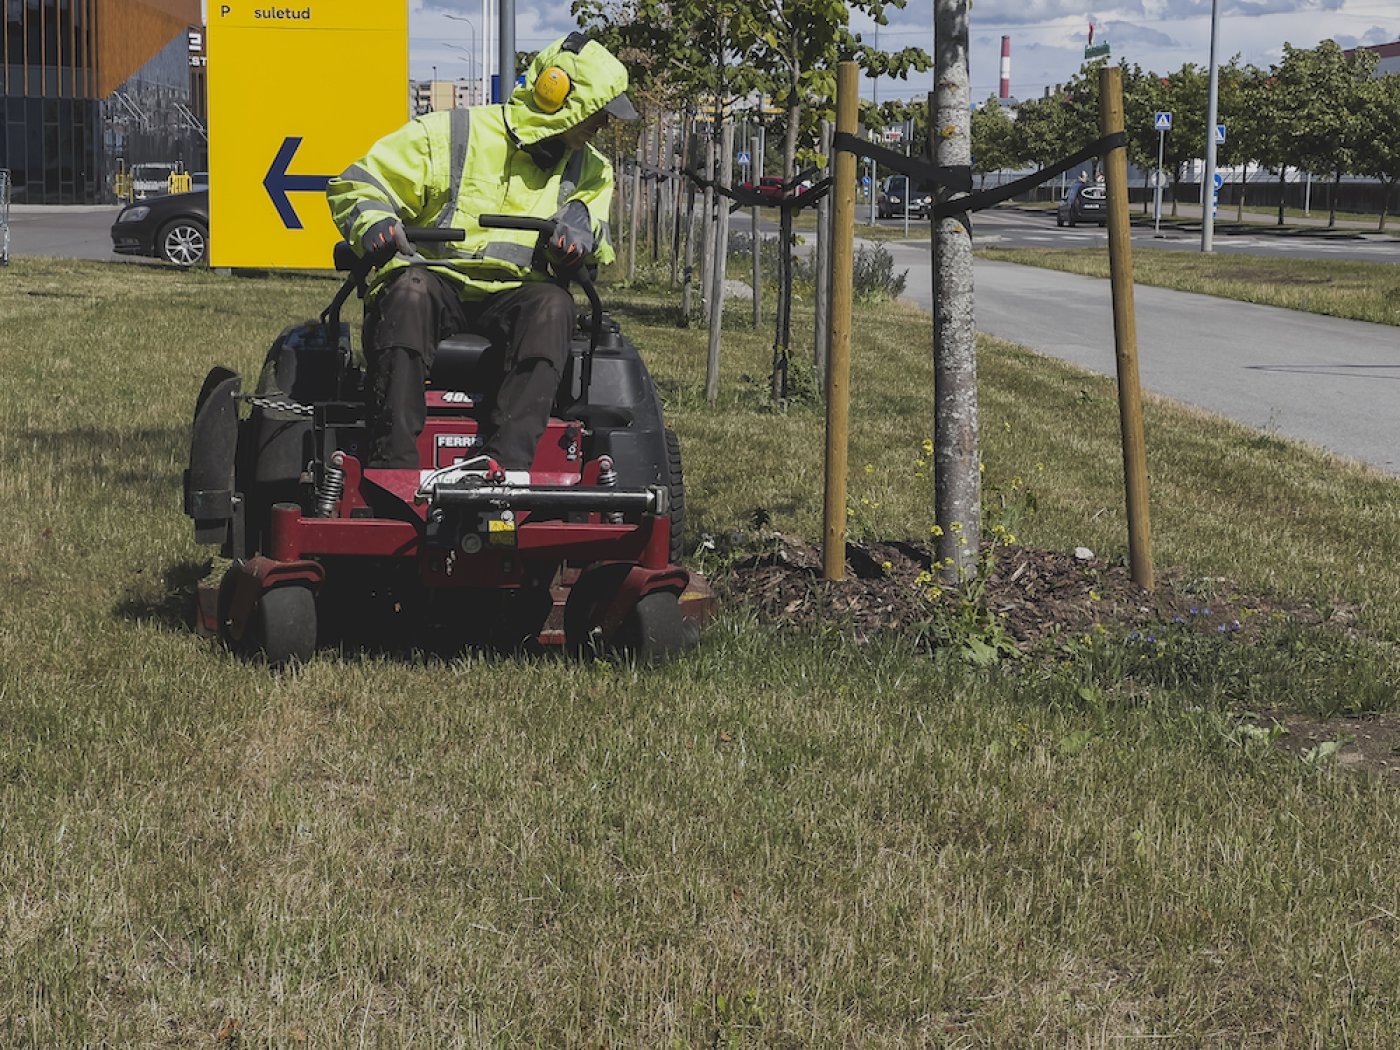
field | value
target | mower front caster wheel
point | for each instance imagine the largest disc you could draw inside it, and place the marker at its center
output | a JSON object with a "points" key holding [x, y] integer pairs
{"points": [[281, 629], [655, 630], [652, 630]]}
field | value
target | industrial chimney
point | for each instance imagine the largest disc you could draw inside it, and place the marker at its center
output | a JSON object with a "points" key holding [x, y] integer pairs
{"points": [[1005, 67]]}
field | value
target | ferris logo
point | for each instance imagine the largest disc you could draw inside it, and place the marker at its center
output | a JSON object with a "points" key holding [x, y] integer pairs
{"points": [[448, 448]]}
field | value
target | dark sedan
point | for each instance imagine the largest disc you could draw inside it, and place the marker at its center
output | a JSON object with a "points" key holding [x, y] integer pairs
{"points": [[173, 227], [896, 200], [1084, 202]]}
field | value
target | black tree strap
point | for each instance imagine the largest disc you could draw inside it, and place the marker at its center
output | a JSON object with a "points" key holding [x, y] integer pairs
{"points": [[997, 194], [751, 198], [650, 171], [959, 179]]}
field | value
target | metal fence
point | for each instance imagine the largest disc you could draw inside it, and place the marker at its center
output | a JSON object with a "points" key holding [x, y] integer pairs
{"points": [[4, 216]]}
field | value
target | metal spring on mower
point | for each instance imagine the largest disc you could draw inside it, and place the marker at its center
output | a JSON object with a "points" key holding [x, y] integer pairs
{"points": [[607, 478], [332, 487]]}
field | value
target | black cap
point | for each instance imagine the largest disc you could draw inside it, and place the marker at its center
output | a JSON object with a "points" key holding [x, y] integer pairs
{"points": [[621, 108]]}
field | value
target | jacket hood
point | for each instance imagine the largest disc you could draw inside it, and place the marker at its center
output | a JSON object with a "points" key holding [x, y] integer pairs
{"points": [[595, 79]]}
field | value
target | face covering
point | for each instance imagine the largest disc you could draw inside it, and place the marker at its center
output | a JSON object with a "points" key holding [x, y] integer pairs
{"points": [[546, 153]]}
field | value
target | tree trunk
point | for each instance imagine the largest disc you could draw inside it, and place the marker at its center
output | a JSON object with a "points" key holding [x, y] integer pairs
{"points": [[956, 440], [794, 118], [1332, 200], [720, 249], [1282, 189], [1244, 181], [707, 224], [635, 216], [822, 299], [756, 239], [681, 183], [688, 273], [1385, 203]]}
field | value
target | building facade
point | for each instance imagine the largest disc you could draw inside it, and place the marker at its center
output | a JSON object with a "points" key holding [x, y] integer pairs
{"points": [[428, 96], [93, 88]]}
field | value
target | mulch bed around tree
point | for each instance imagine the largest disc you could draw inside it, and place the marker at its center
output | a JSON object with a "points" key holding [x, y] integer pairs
{"points": [[1037, 593], [1040, 595]]}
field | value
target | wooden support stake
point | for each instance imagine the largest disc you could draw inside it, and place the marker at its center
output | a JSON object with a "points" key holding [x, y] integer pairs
{"points": [[838, 372], [1120, 263]]}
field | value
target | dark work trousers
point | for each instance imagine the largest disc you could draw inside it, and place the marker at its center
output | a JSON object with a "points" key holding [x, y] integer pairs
{"points": [[529, 327]]}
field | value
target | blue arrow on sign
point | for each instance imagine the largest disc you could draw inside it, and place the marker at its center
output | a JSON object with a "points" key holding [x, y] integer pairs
{"points": [[278, 183]]}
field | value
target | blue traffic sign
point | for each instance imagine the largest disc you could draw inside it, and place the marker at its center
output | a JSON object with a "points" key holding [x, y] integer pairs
{"points": [[1162, 121], [744, 157], [1219, 180], [1220, 134]]}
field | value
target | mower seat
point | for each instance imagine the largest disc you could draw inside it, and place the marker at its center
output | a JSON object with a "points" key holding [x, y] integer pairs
{"points": [[463, 362]]}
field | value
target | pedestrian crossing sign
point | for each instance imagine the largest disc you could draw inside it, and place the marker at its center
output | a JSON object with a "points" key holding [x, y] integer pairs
{"points": [[1163, 121]]}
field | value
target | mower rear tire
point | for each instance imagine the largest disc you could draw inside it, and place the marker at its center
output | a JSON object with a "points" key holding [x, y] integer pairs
{"points": [[282, 629]]}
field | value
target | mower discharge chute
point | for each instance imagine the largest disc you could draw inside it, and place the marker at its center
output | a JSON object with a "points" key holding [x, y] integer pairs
{"points": [[581, 549]]}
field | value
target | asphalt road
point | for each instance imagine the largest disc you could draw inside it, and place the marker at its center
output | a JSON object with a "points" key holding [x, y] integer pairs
{"points": [[1029, 228], [74, 232], [1317, 379]]}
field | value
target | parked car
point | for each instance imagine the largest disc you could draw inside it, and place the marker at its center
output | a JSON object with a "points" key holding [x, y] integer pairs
{"points": [[770, 187], [1082, 202], [173, 227], [893, 192]]}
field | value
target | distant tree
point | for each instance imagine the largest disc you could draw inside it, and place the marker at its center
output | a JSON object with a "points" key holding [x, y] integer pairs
{"points": [[992, 133], [1379, 156], [1317, 95], [1186, 96], [1035, 138], [1144, 95], [1244, 109], [796, 49]]}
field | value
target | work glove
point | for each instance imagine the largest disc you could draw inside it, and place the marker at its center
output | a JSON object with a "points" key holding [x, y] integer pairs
{"points": [[383, 241], [572, 239]]}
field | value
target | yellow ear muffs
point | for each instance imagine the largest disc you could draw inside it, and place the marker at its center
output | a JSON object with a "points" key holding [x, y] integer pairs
{"points": [[551, 89]]}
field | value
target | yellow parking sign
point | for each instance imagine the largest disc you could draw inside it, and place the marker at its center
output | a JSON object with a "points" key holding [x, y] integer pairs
{"points": [[297, 91]]}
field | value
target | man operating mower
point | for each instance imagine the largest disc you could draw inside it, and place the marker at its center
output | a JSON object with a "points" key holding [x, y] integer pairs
{"points": [[528, 157]]}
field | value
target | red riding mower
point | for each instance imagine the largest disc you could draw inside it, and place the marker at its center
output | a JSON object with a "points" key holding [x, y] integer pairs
{"points": [[582, 549]]}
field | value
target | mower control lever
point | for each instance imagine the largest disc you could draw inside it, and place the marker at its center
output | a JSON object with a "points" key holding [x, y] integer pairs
{"points": [[357, 268]]}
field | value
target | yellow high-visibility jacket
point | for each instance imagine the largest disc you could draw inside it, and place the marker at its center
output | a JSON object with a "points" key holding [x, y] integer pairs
{"points": [[444, 169]]}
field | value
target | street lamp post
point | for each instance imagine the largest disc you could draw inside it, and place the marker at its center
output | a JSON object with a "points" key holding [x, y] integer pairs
{"points": [[471, 52]]}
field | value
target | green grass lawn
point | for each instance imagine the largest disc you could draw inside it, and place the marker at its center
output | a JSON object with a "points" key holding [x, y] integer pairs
{"points": [[783, 839]]}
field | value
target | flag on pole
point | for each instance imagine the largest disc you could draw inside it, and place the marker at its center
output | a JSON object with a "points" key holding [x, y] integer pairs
{"points": [[1091, 32]]}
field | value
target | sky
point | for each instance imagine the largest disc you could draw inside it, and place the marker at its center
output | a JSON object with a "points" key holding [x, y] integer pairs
{"points": [[1047, 36]]}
